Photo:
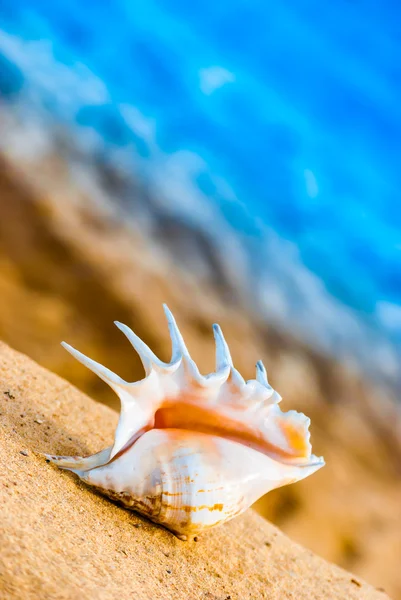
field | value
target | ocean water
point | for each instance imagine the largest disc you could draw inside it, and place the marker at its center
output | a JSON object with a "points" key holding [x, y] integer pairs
{"points": [[274, 127]]}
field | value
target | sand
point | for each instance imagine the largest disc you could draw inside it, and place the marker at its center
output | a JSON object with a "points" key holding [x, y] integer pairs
{"points": [[61, 540]]}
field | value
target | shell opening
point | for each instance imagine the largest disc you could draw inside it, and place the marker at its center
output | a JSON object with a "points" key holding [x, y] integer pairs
{"points": [[291, 443]]}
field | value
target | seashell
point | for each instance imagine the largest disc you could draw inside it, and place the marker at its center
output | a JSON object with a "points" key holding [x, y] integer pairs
{"points": [[191, 451]]}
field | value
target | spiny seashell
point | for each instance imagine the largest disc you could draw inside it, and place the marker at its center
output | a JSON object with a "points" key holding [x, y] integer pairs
{"points": [[192, 451]]}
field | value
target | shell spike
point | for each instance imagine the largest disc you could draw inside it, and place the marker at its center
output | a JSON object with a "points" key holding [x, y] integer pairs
{"points": [[223, 356], [261, 377], [179, 348], [79, 464], [314, 464], [261, 373], [133, 417], [104, 373], [146, 355]]}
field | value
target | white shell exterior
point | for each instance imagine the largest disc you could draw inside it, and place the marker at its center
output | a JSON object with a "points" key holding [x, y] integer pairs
{"points": [[193, 451]]}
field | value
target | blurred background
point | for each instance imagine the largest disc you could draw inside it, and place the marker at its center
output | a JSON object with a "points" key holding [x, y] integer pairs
{"points": [[241, 162]]}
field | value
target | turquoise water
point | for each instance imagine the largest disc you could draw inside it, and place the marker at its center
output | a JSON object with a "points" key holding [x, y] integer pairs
{"points": [[286, 117]]}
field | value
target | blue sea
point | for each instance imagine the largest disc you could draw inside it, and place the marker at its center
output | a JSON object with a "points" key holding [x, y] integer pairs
{"points": [[274, 126]]}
